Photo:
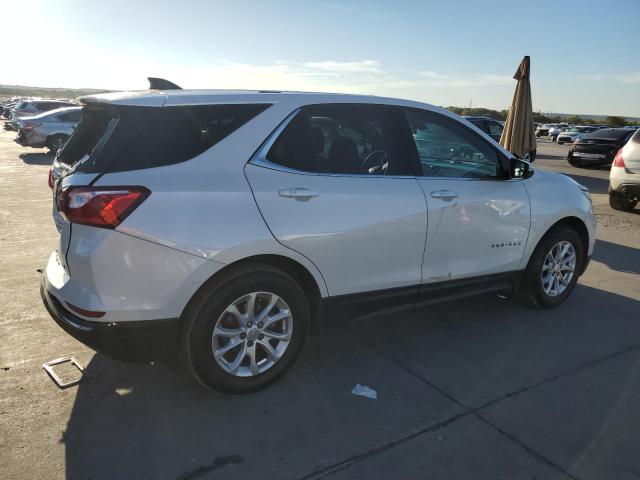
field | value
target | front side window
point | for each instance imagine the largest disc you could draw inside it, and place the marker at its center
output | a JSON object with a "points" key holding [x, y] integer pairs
{"points": [[448, 149], [340, 139]]}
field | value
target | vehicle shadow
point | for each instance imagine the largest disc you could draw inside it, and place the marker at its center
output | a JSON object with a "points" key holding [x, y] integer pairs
{"points": [[151, 420], [36, 158], [617, 257]]}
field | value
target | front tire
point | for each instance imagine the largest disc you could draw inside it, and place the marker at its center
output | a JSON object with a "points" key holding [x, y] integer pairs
{"points": [[618, 201], [553, 269], [245, 329]]}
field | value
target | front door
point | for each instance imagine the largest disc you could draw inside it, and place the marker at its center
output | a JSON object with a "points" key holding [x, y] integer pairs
{"points": [[478, 221]]}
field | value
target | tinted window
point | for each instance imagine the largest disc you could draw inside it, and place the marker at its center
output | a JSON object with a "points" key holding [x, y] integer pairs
{"points": [[340, 139], [478, 122], [71, 116], [448, 149], [130, 138], [609, 133], [495, 128]]}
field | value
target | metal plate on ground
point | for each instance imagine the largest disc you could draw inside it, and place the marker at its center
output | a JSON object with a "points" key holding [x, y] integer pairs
{"points": [[48, 367]]}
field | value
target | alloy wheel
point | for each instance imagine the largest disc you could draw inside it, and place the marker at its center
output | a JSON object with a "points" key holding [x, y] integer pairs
{"points": [[558, 268], [252, 334]]}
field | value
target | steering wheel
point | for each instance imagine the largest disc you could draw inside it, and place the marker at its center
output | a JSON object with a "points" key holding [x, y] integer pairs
{"points": [[380, 167]]}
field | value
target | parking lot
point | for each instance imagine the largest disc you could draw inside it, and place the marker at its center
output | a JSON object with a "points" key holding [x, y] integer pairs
{"points": [[481, 388]]}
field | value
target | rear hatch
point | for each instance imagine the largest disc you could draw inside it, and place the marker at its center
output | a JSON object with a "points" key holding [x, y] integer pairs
{"points": [[69, 167], [114, 138]]}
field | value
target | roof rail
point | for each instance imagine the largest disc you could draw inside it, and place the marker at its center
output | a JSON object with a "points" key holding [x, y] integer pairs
{"points": [[162, 84]]}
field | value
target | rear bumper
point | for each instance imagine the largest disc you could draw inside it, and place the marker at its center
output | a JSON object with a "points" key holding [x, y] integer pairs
{"points": [[577, 160], [623, 181], [129, 339]]}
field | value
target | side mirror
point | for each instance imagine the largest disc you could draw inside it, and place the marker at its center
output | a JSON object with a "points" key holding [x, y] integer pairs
{"points": [[519, 168]]}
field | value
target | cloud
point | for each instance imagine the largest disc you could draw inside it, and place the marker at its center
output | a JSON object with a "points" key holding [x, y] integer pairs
{"points": [[357, 76], [631, 77], [472, 80]]}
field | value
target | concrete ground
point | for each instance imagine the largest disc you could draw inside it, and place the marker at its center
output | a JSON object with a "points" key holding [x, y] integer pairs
{"points": [[481, 388]]}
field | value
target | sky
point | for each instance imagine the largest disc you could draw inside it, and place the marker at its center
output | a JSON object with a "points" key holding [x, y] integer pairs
{"points": [[585, 55]]}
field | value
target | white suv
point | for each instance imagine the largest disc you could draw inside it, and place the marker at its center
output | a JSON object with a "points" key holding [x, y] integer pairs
{"points": [[624, 177], [242, 219]]}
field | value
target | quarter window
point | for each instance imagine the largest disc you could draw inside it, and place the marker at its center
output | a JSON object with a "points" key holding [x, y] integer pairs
{"points": [[340, 139], [447, 149]]}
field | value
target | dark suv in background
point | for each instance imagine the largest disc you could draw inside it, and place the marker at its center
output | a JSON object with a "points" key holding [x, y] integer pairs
{"points": [[488, 125]]}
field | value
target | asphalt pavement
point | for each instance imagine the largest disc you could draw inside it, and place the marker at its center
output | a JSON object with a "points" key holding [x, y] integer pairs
{"points": [[480, 388]]}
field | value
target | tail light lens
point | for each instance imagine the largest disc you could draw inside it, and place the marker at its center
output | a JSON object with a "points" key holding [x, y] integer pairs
{"points": [[104, 207], [52, 181], [29, 126], [618, 161]]}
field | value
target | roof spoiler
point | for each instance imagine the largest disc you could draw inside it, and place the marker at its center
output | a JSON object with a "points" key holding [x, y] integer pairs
{"points": [[162, 84]]}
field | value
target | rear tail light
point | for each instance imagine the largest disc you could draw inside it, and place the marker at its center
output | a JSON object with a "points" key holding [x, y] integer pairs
{"points": [[618, 161], [29, 126], [52, 180], [104, 207]]}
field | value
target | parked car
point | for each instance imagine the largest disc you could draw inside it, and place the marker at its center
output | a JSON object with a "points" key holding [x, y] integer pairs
{"points": [[7, 109], [488, 125], [555, 130], [624, 177], [34, 107], [50, 129], [241, 220], [543, 130], [574, 133], [598, 148]]}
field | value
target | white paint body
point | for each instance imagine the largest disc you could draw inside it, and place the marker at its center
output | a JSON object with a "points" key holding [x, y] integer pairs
{"points": [[630, 173], [361, 233]]}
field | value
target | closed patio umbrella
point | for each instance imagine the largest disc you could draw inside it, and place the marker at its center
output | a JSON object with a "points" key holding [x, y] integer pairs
{"points": [[519, 136]]}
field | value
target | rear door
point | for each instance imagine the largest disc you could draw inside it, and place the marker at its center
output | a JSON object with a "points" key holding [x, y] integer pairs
{"points": [[335, 184], [478, 220]]}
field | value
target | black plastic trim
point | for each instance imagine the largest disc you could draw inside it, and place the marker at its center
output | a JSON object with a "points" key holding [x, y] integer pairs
{"points": [[101, 335], [341, 308]]}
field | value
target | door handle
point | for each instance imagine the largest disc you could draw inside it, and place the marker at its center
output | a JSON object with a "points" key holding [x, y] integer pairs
{"points": [[301, 193], [446, 195]]}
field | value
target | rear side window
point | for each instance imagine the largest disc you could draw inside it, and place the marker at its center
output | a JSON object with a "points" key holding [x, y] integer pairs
{"points": [[132, 138], [341, 139]]}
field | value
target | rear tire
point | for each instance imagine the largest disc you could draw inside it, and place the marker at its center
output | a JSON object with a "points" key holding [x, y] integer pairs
{"points": [[210, 309], [618, 201], [55, 142], [533, 290]]}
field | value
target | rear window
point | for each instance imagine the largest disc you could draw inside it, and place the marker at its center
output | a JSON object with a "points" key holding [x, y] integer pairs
{"points": [[71, 116], [116, 139], [609, 133]]}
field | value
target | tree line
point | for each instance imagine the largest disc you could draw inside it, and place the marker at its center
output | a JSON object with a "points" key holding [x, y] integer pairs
{"points": [[613, 121]]}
